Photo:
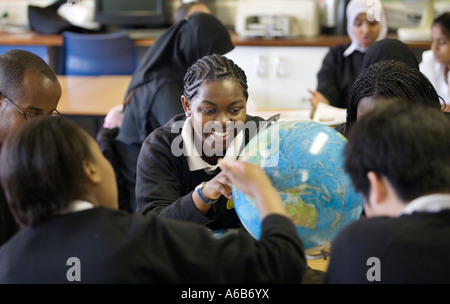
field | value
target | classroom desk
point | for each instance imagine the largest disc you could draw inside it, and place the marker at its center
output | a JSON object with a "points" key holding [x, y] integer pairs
{"points": [[319, 264], [91, 95], [95, 95], [33, 38], [87, 99]]}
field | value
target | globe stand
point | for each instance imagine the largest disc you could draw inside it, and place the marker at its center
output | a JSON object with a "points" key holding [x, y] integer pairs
{"points": [[322, 253]]}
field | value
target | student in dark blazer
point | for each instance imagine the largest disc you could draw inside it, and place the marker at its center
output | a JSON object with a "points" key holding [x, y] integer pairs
{"points": [[28, 88], [71, 232], [153, 95], [397, 158], [177, 173]]}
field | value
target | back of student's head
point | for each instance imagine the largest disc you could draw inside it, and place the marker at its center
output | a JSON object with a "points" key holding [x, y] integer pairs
{"points": [[13, 66], [212, 68], [406, 145], [388, 79], [41, 168]]}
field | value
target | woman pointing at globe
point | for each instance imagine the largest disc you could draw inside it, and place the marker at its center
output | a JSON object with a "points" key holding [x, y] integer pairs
{"points": [[177, 172]]}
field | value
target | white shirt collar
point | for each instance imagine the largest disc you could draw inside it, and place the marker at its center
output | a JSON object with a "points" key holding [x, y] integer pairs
{"points": [[354, 47], [428, 203], [193, 156], [78, 205]]}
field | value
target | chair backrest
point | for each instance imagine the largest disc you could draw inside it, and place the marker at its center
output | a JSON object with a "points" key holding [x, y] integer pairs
{"points": [[98, 54]]}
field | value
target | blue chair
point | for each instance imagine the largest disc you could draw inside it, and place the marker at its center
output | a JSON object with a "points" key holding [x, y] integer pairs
{"points": [[97, 54]]}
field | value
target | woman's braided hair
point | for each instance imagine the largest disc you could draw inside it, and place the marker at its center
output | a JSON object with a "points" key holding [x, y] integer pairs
{"points": [[388, 79], [212, 68]]}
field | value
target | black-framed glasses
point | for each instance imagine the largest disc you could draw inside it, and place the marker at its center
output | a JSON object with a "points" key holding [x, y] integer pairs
{"points": [[26, 114]]}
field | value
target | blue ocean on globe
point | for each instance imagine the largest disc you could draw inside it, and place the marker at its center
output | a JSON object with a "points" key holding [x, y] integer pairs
{"points": [[305, 162]]}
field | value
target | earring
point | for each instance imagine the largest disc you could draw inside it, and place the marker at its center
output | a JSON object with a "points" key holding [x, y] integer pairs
{"points": [[188, 113]]}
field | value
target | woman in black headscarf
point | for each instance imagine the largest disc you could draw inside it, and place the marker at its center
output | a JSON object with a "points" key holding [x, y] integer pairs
{"points": [[387, 49], [153, 96]]}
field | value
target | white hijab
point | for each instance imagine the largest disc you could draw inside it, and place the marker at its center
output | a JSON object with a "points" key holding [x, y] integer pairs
{"points": [[373, 9]]}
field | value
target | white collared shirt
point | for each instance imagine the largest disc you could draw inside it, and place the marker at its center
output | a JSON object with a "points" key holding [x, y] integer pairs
{"points": [[193, 156], [428, 203], [354, 47], [78, 205], [435, 72]]}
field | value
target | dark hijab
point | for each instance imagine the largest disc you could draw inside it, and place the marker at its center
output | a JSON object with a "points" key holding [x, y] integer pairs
{"points": [[181, 45], [387, 49]]}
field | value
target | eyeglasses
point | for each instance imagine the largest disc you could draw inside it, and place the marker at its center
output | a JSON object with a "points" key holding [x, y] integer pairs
{"points": [[26, 114]]}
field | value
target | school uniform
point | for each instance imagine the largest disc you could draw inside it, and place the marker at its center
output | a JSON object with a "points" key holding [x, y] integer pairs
{"points": [[99, 245], [8, 225], [342, 64], [167, 175], [412, 248], [435, 72], [338, 73], [154, 94]]}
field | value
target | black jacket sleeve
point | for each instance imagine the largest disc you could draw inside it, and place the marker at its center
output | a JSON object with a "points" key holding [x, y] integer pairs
{"points": [[327, 81], [278, 256]]}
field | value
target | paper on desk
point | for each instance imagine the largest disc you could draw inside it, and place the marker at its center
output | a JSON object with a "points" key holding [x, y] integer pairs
{"points": [[329, 115]]}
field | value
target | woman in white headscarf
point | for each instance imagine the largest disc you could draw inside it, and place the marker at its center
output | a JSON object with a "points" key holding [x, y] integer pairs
{"points": [[366, 23]]}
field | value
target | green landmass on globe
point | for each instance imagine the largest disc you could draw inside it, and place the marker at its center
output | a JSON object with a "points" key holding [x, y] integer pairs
{"points": [[304, 160], [301, 213]]}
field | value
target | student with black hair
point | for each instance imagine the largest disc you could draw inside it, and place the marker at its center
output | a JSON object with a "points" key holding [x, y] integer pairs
{"points": [[381, 50], [397, 159], [153, 95], [435, 62], [177, 173], [71, 231], [387, 79]]}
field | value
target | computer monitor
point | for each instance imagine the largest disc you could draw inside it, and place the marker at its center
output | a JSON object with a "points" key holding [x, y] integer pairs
{"points": [[132, 13]]}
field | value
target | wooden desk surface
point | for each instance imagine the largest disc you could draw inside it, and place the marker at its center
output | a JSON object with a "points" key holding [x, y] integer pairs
{"points": [[319, 264], [32, 38], [91, 95]]}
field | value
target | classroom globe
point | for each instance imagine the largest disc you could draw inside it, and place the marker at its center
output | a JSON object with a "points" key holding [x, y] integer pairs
{"points": [[304, 160]]}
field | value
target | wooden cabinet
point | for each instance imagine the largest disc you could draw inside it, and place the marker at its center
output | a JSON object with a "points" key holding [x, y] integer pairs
{"points": [[278, 77]]}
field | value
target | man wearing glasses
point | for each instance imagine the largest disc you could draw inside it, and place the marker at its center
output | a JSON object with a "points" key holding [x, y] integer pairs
{"points": [[28, 88]]}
